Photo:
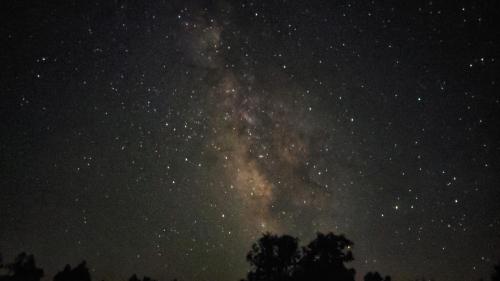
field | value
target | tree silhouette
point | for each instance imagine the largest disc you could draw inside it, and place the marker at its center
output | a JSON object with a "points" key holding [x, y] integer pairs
{"points": [[135, 278], [496, 273], [375, 276], [22, 269], [273, 258], [79, 273], [279, 258], [325, 257], [2, 270]]}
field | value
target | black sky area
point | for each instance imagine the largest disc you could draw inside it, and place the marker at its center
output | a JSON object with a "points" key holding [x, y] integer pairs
{"points": [[164, 137]]}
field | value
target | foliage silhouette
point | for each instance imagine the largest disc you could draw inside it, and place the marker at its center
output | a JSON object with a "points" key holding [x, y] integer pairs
{"points": [[278, 258], [22, 269], [273, 258], [325, 257], [79, 273], [375, 276], [496, 273], [135, 278]]}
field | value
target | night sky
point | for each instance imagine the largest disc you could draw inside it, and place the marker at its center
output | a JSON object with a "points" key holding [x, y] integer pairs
{"points": [[164, 137]]}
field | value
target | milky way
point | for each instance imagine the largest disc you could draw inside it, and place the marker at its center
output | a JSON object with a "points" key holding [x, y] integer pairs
{"points": [[163, 138], [262, 137]]}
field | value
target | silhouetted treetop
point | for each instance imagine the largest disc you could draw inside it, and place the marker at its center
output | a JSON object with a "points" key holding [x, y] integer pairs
{"points": [[325, 257], [22, 269], [273, 258], [496, 273], [79, 273], [135, 278], [330, 248], [375, 276], [279, 258]]}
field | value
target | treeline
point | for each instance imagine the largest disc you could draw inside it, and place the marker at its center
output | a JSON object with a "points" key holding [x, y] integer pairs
{"points": [[279, 258], [271, 258], [24, 269]]}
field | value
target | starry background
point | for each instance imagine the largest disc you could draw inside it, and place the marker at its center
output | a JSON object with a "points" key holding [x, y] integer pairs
{"points": [[163, 137]]}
